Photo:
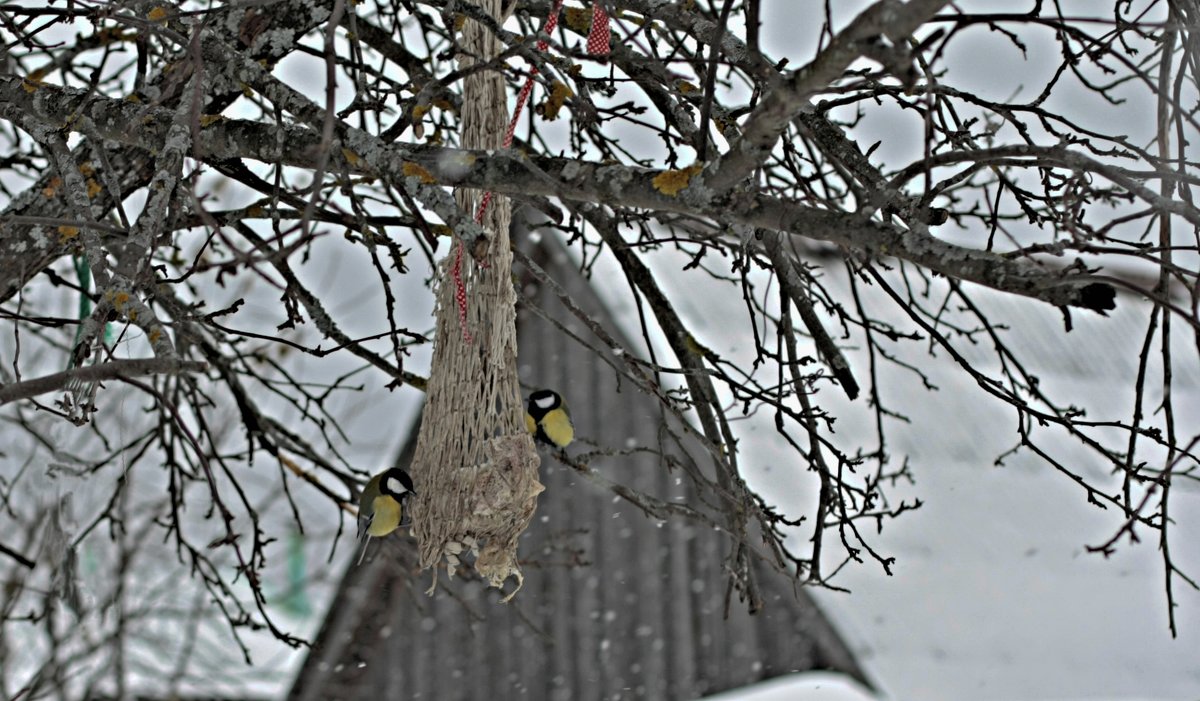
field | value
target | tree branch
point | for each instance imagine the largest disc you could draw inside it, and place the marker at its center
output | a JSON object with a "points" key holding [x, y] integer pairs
{"points": [[769, 120], [112, 370], [21, 559], [512, 173]]}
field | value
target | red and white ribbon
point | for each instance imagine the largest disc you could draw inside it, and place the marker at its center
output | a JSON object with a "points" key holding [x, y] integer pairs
{"points": [[597, 41], [597, 45]]}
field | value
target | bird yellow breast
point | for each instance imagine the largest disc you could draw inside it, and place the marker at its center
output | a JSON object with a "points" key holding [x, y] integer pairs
{"points": [[530, 424], [386, 517], [557, 427]]}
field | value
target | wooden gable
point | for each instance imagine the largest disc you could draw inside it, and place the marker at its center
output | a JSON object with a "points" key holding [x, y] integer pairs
{"points": [[616, 604]]}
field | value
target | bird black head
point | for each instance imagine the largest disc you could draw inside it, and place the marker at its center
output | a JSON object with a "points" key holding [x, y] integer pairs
{"points": [[543, 401], [396, 483]]}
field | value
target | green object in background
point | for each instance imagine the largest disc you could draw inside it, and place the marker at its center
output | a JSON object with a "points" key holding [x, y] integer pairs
{"points": [[296, 602], [83, 271]]}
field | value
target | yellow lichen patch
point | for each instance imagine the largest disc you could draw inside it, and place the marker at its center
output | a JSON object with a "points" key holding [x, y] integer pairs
{"points": [[51, 188], [685, 87], [93, 188], [154, 335], [30, 84], [578, 18], [86, 168], [413, 170], [670, 182], [351, 157], [119, 299], [460, 21], [109, 35], [695, 347], [247, 90], [210, 119], [66, 233], [559, 92], [157, 14], [134, 98]]}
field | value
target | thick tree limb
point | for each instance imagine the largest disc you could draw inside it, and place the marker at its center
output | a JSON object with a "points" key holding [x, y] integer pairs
{"points": [[768, 121], [111, 370], [262, 33], [582, 181]]}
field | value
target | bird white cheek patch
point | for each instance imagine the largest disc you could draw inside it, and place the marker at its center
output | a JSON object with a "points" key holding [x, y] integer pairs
{"points": [[395, 487]]}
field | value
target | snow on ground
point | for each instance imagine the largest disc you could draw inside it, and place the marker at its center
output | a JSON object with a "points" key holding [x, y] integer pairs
{"points": [[809, 686]]}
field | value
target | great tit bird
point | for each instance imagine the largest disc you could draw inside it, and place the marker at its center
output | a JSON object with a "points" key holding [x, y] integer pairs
{"points": [[381, 506], [547, 419]]}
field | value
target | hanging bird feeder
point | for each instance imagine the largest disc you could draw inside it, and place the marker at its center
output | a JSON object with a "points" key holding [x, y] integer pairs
{"points": [[475, 466]]}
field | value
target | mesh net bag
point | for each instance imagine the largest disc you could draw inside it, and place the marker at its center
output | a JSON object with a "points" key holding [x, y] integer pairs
{"points": [[475, 466]]}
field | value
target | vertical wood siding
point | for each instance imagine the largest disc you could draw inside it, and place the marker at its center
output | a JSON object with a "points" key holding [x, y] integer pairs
{"points": [[645, 620]]}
